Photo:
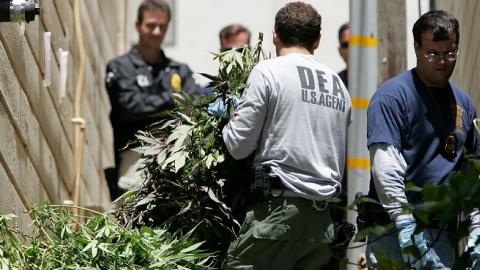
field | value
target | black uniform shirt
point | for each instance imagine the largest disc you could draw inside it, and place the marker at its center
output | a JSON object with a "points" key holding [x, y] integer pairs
{"points": [[137, 90]]}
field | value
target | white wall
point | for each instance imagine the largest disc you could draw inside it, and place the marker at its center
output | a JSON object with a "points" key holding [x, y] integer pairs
{"points": [[198, 22], [415, 8]]}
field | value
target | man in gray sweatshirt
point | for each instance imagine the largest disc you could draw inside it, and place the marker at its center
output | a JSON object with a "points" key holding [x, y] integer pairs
{"points": [[293, 116]]}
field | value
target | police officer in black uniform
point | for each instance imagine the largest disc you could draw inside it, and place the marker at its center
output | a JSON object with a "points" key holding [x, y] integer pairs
{"points": [[141, 82]]}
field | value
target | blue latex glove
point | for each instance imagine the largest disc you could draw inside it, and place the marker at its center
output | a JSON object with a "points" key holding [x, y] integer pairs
{"points": [[475, 253], [218, 108], [406, 238]]}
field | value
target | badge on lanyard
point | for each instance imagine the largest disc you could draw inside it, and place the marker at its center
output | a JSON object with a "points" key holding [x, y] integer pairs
{"points": [[176, 82]]}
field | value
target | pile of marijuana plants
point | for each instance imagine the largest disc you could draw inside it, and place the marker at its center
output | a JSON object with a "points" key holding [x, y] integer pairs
{"points": [[60, 241], [190, 180]]}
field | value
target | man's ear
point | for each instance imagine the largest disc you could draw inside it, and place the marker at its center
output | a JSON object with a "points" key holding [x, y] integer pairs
{"points": [[416, 46], [275, 38]]}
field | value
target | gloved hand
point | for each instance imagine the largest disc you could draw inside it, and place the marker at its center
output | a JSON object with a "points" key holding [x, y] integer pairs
{"points": [[475, 253], [406, 237], [218, 108]]}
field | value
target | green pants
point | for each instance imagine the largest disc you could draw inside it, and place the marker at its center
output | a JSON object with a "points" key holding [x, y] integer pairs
{"points": [[283, 233]]}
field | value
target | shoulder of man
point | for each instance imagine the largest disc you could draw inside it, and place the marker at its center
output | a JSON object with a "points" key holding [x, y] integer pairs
{"points": [[180, 67], [117, 68], [120, 63], [400, 84], [180, 77], [458, 89], [466, 98]]}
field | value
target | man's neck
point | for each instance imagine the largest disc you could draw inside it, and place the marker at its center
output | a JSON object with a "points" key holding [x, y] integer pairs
{"points": [[150, 55], [294, 49], [429, 83]]}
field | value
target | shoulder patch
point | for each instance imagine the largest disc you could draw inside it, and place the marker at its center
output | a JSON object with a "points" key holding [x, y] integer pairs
{"points": [[110, 76]]}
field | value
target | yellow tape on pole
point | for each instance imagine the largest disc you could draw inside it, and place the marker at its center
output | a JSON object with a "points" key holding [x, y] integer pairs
{"points": [[364, 41], [360, 103], [358, 163]]}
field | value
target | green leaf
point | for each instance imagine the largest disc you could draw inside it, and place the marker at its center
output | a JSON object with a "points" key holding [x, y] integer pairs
{"points": [[91, 245], [384, 261], [162, 156], [94, 251], [146, 139], [180, 161], [191, 248], [171, 159], [208, 161], [187, 118], [376, 230], [7, 217], [330, 234], [178, 132], [410, 186], [239, 59]]}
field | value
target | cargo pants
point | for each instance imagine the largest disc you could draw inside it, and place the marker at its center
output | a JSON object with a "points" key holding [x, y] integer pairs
{"points": [[282, 233]]}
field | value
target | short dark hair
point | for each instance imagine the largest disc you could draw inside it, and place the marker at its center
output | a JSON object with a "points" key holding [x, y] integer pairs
{"points": [[232, 30], [152, 5], [441, 23], [298, 23], [342, 29]]}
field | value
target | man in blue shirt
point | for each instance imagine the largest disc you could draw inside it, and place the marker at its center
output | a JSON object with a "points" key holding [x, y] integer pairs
{"points": [[419, 125]]}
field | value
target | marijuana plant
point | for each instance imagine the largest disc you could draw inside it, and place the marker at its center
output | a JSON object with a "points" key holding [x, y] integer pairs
{"points": [[97, 242], [444, 204], [190, 180]]}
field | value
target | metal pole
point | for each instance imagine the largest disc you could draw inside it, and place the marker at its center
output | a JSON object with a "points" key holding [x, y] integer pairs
{"points": [[362, 84]]}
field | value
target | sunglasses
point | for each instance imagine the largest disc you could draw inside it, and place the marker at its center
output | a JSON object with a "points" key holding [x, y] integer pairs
{"points": [[237, 49], [344, 45]]}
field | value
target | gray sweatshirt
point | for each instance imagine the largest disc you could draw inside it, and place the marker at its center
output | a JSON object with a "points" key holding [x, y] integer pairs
{"points": [[294, 114]]}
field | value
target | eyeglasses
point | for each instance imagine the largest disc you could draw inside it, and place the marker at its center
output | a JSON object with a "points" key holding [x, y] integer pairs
{"points": [[434, 57], [344, 45]]}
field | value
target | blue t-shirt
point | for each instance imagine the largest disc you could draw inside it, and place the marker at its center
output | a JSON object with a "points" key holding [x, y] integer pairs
{"points": [[403, 114]]}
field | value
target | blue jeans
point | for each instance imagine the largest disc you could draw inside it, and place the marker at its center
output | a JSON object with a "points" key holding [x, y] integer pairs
{"points": [[389, 245]]}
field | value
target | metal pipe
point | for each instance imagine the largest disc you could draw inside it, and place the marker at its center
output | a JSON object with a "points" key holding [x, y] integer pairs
{"points": [[363, 72], [18, 10]]}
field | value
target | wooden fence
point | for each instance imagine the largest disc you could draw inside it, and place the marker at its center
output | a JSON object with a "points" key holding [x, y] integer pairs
{"points": [[466, 72], [36, 132]]}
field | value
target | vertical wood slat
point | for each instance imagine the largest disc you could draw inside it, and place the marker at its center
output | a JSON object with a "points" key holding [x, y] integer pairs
{"points": [[29, 132], [468, 62], [36, 148], [392, 48]]}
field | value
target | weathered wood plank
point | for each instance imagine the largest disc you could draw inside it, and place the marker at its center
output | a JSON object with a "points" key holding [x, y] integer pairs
{"points": [[472, 52], [65, 14], [16, 163], [11, 203], [39, 98], [26, 123], [104, 43], [111, 22], [66, 113], [34, 36], [52, 24], [40, 132]]}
